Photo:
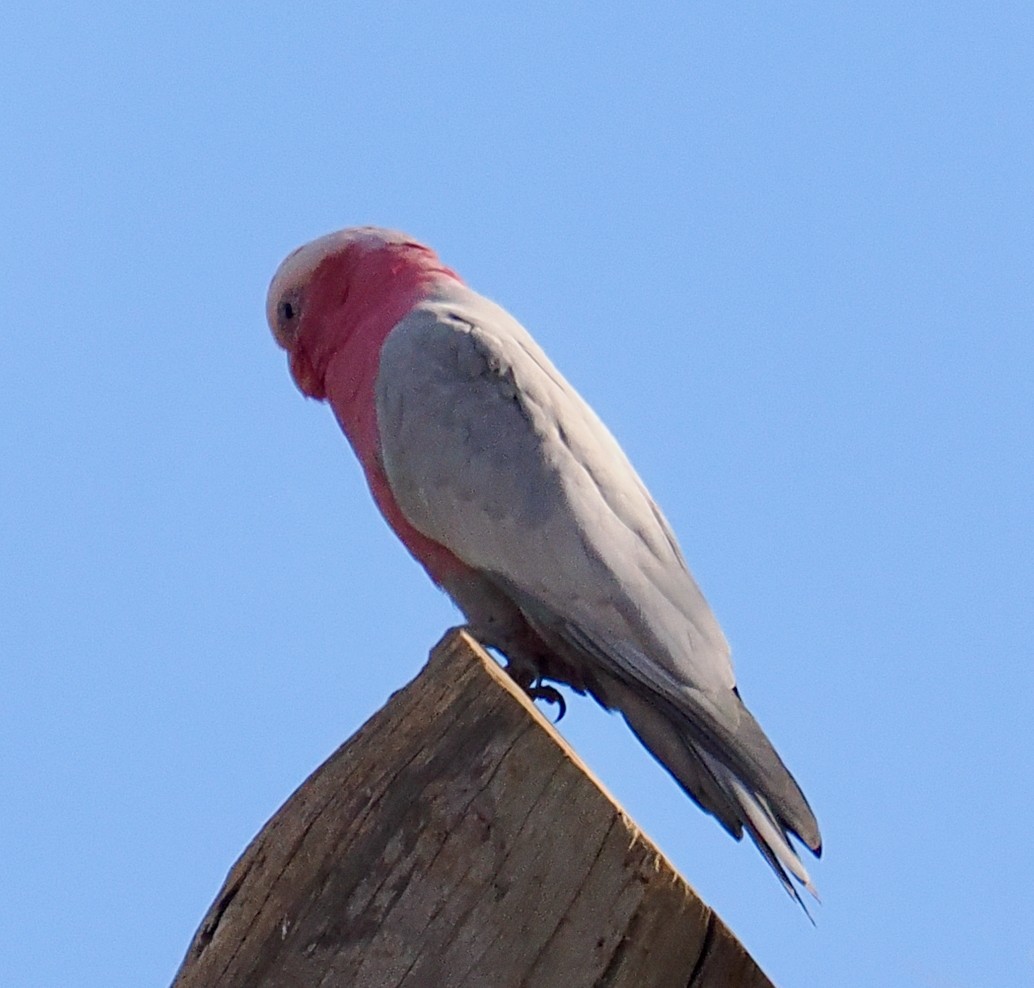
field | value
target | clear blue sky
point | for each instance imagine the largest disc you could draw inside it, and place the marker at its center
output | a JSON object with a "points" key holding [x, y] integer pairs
{"points": [[787, 254]]}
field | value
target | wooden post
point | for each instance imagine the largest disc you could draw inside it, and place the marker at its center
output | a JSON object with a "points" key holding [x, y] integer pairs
{"points": [[456, 840]]}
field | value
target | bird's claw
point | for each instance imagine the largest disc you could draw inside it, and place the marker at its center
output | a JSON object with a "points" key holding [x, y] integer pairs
{"points": [[539, 691]]}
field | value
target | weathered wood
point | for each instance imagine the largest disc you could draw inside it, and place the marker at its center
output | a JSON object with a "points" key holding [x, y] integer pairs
{"points": [[456, 840]]}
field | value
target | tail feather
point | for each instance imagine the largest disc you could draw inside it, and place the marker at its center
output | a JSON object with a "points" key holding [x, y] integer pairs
{"points": [[720, 790], [660, 737], [707, 740], [772, 840], [783, 795], [718, 723]]}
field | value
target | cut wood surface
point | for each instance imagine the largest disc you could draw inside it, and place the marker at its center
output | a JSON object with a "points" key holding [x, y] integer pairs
{"points": [[456, 840]]}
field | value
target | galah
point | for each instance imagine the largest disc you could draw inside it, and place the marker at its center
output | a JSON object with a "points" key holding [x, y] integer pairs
{"points": [[511, 493]]}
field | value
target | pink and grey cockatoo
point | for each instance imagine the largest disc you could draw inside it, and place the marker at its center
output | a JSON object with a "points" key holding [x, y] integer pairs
{"points": [[517, 501]]}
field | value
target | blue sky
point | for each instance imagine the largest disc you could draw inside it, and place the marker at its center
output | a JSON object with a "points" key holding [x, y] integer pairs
{"points": [[784, 251]]}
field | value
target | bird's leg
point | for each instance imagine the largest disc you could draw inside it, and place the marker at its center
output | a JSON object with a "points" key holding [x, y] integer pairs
{"points": [[530, 680], [527, 676], [538, 690], [497, 623], [526, 673]]}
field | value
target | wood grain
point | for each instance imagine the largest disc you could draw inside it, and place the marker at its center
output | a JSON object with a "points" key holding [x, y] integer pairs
{"points": [[456, 841]]}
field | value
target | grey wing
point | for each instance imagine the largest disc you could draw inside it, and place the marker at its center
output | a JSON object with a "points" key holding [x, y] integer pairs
{"points": [[491, 453]]}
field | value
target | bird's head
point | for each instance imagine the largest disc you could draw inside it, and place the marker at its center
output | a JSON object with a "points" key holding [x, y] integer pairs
{"points": [[360, 280]]}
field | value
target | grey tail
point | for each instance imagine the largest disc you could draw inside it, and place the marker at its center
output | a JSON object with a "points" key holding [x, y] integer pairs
{"points": [[744, 785]]}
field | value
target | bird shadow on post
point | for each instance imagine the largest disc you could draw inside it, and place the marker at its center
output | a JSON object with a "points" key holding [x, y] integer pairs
{"points": [[456, 840]]}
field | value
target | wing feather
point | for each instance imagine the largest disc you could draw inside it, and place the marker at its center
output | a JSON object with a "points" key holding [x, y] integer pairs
{"points": [[491, 452]]}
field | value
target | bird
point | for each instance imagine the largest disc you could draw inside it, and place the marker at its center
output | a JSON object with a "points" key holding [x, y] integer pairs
{"points": [[517, 501]]}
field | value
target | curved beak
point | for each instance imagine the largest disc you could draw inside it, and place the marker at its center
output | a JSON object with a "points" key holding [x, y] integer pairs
{"points": [[305, 375]]}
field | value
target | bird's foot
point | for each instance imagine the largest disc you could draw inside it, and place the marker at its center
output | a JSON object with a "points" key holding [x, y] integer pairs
{"points": [[550, 694], [527, 677]]}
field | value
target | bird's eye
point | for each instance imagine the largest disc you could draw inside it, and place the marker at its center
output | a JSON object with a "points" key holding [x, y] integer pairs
{"points": [[288, 314]]}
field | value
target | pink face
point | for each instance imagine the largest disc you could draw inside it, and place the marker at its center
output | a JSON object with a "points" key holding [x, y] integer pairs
{"points": [[287, 328], [289, 301], [309, 284]]}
